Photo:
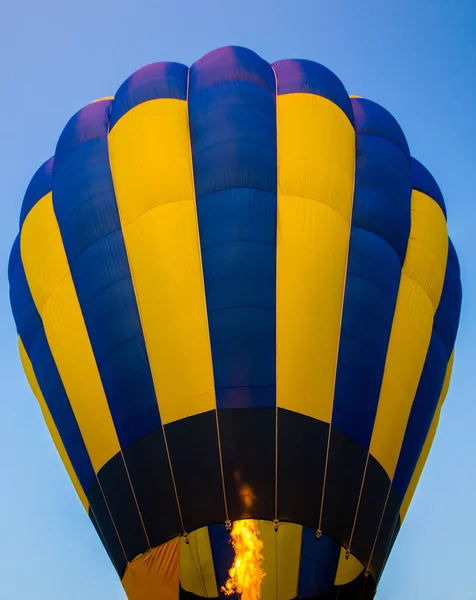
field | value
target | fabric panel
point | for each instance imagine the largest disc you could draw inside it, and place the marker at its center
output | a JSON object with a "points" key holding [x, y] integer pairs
{"points": [[154, 573], [316, 153]]}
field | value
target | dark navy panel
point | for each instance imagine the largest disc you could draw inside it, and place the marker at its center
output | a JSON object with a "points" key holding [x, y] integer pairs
{"points": [[99, 532], [158, 80], [193, 447], [362, 588], [423, 181], [345, 468], [372, 503], [31, 331], [318, 566], [308, 77], [108, 535], [448, 314], [39, 186], [445, 327], [233, 136], [88, 218], [248, 442], [301, 462], [223, 555], [15, 256], [388, 527], [26, 316], [113, 482], [149, 470], [389, 549]]}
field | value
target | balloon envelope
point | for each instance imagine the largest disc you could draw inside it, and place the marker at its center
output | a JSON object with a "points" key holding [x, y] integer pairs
{"points": [[236, 298]]}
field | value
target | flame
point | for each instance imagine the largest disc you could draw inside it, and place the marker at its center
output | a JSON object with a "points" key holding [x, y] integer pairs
{"points": [[246, 573]]}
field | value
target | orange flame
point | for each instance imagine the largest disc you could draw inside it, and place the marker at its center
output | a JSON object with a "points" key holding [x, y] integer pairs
{"points": [[246, 573]]}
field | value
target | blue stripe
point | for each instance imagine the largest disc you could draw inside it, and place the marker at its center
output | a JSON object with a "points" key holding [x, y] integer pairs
{"points": [[318, 566], [39, 186], [86, 210], [27, 318], [231, 64], [233, 134], [431, 382], [158, 80], [380, 229], [223, 556], [15, 257], [308, 77], [448, 313], [31, 331], [423, 181], [372, 119]]}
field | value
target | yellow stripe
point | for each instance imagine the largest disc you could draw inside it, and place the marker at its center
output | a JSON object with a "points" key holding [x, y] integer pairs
{"points": [[418, 297], [286, 575], [316, 153], [197, 570], [428, 443], [53, 292], [102, 99], [152, 169], [30, 375], [348, 569]]}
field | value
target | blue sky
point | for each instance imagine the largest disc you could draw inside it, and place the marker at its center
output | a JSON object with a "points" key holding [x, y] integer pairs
{"points": [[415, 57]]}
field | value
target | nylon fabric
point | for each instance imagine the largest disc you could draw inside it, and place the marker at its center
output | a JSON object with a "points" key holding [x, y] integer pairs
{"points": [[197, 571], [193, 447], [83, 193], [29, 325], [39, 186], [235, 297], [154, 573], [53, 292], [30, 375], [318, 564], [31, 332], [233, 135], [348, 568], [423, 181], [316, 146], [283, 546], [433, 375], [418, 297], [151, 165], [157, 80], [379, 235], [222, 552], [301, 464], [309, 77], [427, 445], [117, 514]]}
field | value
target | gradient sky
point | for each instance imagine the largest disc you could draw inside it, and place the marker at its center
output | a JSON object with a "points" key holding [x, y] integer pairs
{"points": [[415, 57]]}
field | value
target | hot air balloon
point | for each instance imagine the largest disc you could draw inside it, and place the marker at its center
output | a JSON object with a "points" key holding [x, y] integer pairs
{"points": [[236, 303]]}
